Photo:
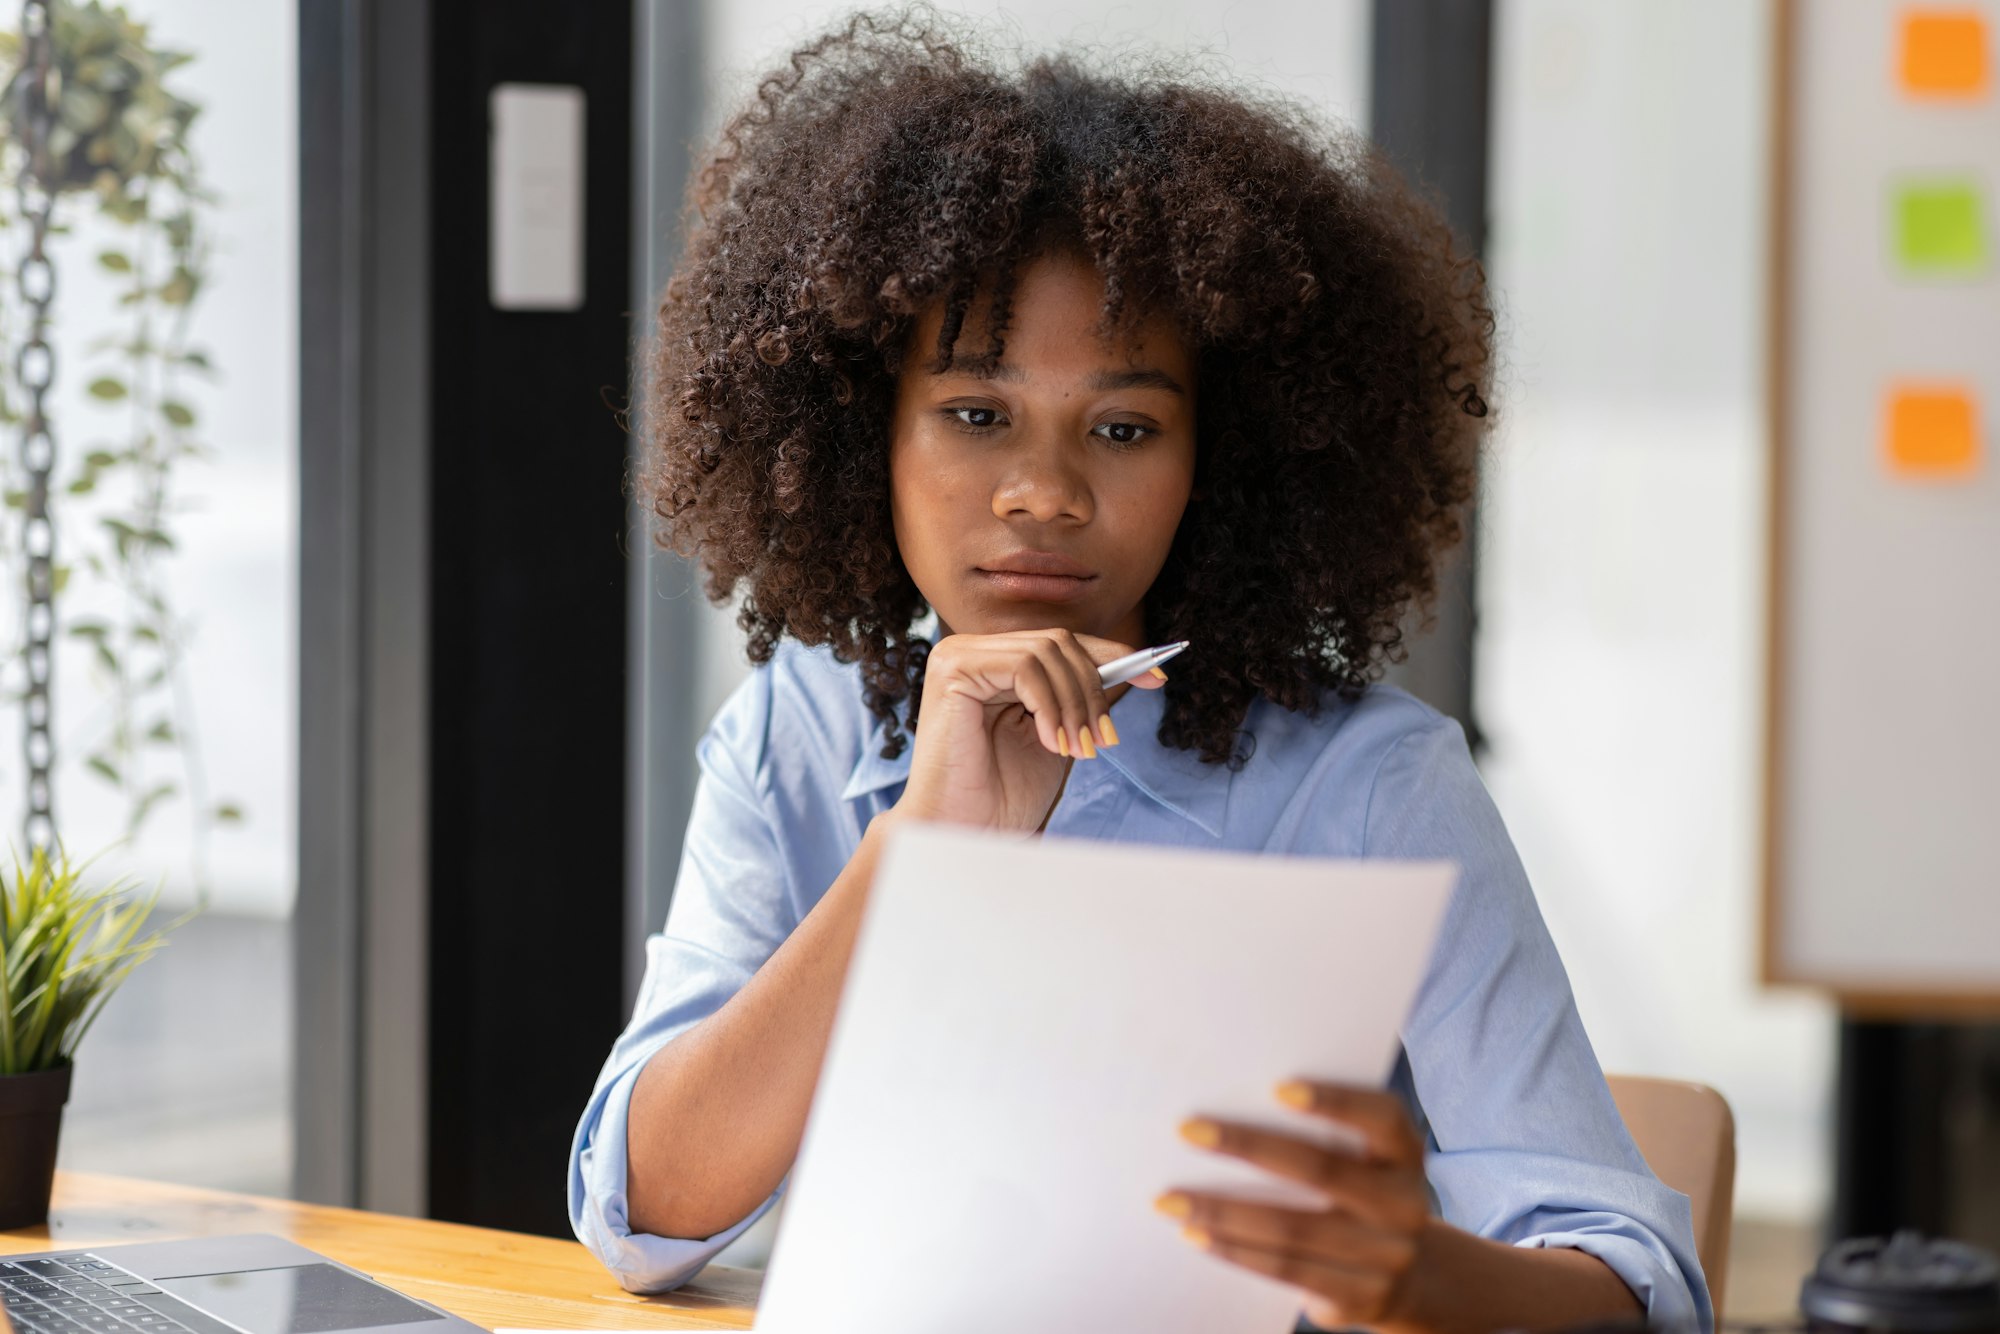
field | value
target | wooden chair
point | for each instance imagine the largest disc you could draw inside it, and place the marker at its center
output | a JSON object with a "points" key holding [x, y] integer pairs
{"points": [[1688, 1137]]}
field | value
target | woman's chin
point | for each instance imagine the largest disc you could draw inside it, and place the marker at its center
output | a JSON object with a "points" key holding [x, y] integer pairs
{"points": [[1014, 616]]}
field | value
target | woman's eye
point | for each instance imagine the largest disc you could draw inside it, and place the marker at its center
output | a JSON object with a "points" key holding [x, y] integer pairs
{"points": [[1125, 433], [977, 419]]}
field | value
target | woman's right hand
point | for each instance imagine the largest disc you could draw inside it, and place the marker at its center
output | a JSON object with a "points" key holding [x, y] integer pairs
{"points": [[1000, 712]]}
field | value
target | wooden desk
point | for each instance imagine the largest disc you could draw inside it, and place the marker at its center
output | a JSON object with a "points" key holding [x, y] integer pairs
{"points": [[490, 1278]]}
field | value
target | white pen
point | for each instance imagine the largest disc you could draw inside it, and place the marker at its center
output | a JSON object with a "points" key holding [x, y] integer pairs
{"points": [[1134, 665]]}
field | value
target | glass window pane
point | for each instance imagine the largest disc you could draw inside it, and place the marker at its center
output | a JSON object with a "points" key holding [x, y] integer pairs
{"points": [[175, 495]]}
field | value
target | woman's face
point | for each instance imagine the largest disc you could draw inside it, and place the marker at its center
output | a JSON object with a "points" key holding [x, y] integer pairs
{"points": [[1048, 493]]}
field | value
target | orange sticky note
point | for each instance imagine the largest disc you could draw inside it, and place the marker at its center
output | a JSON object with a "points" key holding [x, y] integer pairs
{"points": [[1944, 53], [1933, 431]]}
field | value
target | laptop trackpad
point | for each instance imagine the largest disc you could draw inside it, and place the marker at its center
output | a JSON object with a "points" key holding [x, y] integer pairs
{"points": [[301, 1299]]}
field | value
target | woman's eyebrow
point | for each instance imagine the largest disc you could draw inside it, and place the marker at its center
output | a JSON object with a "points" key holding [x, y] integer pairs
{"points": [[1137, 378]]}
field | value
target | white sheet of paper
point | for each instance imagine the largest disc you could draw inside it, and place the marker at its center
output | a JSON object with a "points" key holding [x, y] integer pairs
{"points": [[1024, 1026]]}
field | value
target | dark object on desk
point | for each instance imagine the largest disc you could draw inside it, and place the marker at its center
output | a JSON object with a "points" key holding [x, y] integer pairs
{"points": [[1906, 1284], [31, 1108], [211, 1285]]}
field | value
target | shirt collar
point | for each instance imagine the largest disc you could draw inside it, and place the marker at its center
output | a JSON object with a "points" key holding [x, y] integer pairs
{"points": [[1176, 779], [872, 773]]}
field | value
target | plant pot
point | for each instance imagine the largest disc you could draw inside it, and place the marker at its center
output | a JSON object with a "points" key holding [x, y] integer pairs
{"points": [[31, 1108]]}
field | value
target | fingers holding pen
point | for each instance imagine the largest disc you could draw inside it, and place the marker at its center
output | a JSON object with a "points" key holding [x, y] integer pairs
{"points": [[1035, 672], [1071, 705], [1095, 720], [1040, 691], [1053, 674], [1057, 682]]}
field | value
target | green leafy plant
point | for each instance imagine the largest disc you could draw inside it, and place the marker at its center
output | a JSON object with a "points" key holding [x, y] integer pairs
{"points": [[64, 949], [123, 159]]}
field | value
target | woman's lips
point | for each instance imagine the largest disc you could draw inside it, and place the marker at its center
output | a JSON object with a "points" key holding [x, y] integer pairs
{"points": [[1036, 587]]}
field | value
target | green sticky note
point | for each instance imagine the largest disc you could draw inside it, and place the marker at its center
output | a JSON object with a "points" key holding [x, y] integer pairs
{"points": [[1940, 227]]}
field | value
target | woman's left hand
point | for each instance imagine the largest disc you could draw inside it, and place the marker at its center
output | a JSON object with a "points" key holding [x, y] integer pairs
{"points": [[1358, 1261]]}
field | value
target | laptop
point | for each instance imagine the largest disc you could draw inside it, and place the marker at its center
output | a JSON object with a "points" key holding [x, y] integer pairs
{"points": [[210, 1285]]}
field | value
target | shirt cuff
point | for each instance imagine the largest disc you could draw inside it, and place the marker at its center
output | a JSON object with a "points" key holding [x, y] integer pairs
{"points": [[1675, 1302], [599, 1211]]}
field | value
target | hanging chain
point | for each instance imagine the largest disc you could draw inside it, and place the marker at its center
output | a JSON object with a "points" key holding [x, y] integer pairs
{"points": [[35, 367]]}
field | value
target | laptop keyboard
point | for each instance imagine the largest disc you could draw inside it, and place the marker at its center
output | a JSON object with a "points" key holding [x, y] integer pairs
{"points": [[81, 1294]]}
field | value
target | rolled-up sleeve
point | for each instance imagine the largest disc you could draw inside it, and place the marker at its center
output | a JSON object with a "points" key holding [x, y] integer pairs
{"points": [[731, 909], [1527, 1146]]}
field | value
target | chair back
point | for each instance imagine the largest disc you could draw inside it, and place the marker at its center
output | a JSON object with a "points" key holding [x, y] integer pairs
{"points": [[1688, 1137]]}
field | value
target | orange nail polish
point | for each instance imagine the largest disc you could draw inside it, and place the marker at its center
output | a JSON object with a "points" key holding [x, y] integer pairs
{"points": [[1196, 1236], [1088, 751], [1062, 743], [1157, 672], [1296, 1093], [1202, 1133], [1175, 1205], [1107, 731]]}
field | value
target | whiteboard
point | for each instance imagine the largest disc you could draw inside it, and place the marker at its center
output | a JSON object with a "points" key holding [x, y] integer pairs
{"points": [[1883, 811]]}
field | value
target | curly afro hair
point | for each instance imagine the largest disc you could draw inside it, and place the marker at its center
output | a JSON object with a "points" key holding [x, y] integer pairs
{"points": [[1342, 346]]}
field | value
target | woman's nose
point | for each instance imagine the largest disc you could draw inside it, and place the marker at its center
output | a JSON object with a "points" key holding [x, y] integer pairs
{"points": [[1042, 481]]}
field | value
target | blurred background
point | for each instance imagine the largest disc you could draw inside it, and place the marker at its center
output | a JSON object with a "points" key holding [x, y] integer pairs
{"points": [[430, 701]]}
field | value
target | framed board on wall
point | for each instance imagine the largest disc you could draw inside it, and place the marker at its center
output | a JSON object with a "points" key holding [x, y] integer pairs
{"points": [[1882, 824]]}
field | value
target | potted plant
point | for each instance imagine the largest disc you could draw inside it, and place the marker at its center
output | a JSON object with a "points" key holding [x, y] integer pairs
{"points": [[64, 949]]}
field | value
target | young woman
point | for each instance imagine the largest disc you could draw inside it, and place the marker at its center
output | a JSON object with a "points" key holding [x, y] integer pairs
{"points": [[972, 379]]}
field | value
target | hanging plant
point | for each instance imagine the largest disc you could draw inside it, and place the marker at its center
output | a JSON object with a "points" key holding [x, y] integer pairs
{"points": [[119, 155]]}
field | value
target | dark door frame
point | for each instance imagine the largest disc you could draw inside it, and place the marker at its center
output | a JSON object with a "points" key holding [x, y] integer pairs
{"points": [[464, 614]]}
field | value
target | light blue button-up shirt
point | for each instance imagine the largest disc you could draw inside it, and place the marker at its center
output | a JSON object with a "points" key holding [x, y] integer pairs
{"points": [[1524, 1143]]}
